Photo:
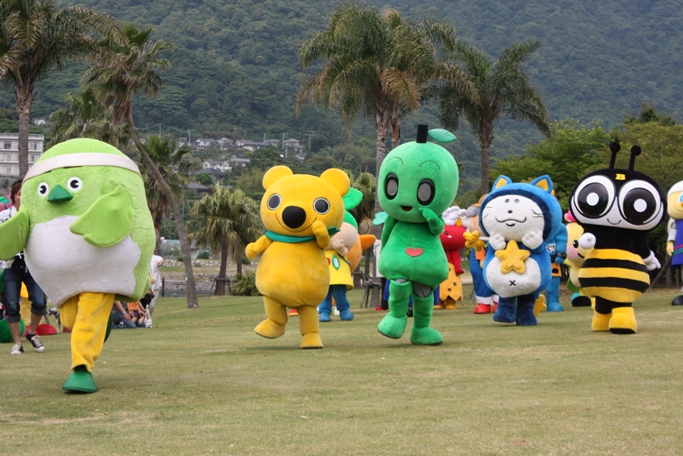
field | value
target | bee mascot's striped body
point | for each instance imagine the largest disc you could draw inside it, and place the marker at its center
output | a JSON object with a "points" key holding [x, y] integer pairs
{"points": [[616, 208]]}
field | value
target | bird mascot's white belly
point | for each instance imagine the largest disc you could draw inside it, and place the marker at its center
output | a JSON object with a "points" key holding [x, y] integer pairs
{"points": [[64, 264]]}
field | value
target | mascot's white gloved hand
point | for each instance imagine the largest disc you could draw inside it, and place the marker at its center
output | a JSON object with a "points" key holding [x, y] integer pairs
{"points": [[497, 242], [651, 262], [533, 239], [587, 241]]}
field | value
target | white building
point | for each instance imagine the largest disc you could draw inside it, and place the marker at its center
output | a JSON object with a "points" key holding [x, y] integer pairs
{"points": [[223, 166], [9, 152]]}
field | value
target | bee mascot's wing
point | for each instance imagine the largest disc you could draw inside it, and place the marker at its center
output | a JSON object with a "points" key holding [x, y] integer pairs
{"points": [[14, 233], [108, 221]]}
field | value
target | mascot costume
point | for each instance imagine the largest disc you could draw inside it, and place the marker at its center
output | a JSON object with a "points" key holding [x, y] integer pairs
{"points": [[575, 258], [337, 253], [88, 237], [616, 208], [674, 245], [519, 219], [557, 249], [300, 213], [452, 240], [486, 300], [417, 182]]}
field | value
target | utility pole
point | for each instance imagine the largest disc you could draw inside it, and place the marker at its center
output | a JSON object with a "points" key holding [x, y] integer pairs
{"points": [[309, 133], [189, 140]]}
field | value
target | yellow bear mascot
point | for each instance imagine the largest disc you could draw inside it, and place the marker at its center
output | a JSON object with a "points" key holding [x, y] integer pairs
{"points": [[300, 213]]}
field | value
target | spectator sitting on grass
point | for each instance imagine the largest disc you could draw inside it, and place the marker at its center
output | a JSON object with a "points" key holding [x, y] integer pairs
{"points": [[120, 317]]}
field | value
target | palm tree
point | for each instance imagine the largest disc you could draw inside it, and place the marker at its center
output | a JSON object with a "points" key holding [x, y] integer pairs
{"points": [[501, 88], [86, 117], [169, 159], [364, 212], [376, 63], [37, 37], [128, 70], [225, 221]]}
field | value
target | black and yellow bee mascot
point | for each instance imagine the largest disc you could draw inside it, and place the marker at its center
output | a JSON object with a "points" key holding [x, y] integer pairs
{"points": [[617, 208]]}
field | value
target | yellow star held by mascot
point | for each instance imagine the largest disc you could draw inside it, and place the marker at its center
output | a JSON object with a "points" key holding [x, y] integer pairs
{"points": [[512, 258], [472, 241]]}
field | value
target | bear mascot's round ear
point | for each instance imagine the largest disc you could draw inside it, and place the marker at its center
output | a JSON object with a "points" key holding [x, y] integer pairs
{"points": [[338, 179], [275, 174]]}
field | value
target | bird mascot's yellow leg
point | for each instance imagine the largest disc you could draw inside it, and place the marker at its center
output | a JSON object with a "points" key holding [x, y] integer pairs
{"points": [[87, 315]]}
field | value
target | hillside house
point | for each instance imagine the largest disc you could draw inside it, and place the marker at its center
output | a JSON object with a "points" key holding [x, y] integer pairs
{"points": [[203, 143], [222, 166], [293, 146], [239, 161], [251, 146]]}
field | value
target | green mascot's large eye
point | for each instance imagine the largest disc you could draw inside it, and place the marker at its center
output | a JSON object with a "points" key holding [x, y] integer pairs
{"points": [[425, 191], [391, 186], [43, 189]]}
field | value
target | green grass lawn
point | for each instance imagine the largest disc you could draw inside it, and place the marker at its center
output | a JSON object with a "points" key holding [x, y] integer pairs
{"points": [[202, 382]]}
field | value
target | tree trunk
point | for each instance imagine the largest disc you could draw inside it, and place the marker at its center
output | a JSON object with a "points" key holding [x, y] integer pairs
{"points": [[180, 223], [485, 140], [382, 126], [220, 282], [238, 258], [24, 103], [395, 128]]}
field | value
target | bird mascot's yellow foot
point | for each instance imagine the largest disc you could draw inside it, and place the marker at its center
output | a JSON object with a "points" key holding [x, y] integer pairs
{"points": [[269, 329], [600, 322], [80, 381], [623, 321]]}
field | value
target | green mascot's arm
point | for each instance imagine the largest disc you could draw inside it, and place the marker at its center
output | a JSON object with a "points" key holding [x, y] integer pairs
{"points": [[108, 221], [435, 222], [13, 235], [389, 224]]}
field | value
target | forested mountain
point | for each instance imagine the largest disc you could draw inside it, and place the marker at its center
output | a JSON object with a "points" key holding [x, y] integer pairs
{"points": [[235, 70]]}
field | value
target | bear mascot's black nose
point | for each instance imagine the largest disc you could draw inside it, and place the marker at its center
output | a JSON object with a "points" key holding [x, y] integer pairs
{"points": [[293, 216]]}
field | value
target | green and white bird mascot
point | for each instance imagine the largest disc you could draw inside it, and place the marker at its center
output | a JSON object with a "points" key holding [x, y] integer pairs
{"points": [[88, 239]]}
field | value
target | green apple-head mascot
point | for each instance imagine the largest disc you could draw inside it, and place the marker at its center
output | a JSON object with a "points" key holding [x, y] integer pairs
{"points": [[417, 182], [88, 237]]}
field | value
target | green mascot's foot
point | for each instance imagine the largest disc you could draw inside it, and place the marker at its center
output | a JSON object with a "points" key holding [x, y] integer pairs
{"points": [[80, 381], [393, 327], [425, 336]]}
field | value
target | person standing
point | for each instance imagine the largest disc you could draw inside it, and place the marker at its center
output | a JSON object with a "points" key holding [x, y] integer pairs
{"points": [[16, 272], [155, 271]]}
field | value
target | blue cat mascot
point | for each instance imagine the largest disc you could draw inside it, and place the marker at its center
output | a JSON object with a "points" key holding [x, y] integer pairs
{"points": [[519, 219]]}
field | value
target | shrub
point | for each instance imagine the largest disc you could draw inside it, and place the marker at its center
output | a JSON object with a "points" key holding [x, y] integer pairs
{"points": [[203, 255], [244, 285], [245, 260]]}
